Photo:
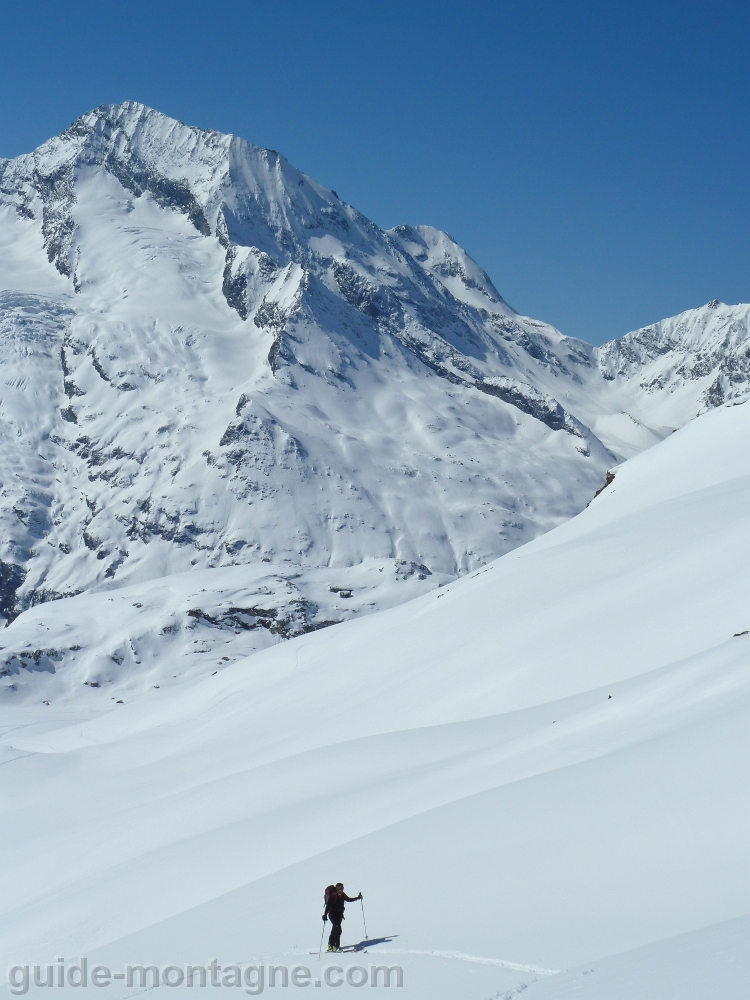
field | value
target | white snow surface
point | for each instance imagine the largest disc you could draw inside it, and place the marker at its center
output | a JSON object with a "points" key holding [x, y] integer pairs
{"points": [[538, 774]]}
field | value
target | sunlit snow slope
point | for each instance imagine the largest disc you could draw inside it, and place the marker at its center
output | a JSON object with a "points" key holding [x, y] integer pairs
{"points": [[531, 769]]}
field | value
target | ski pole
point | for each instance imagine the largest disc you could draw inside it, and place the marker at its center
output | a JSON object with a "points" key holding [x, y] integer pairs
{"points": [[321, 938], [361, 903]]}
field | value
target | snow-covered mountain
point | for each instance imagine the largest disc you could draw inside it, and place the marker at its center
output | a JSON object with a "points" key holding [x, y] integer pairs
{"points": [[667, 373], [210, 361], [537, 775]]}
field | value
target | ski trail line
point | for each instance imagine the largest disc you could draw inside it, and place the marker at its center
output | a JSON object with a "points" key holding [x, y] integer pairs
{"points": [[514, 966]]}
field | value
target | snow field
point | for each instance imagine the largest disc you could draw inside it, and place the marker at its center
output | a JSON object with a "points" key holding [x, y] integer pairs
{"points": [[544, 764]]}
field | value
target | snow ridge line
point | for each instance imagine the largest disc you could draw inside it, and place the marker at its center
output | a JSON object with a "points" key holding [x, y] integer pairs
{"points": [[514, 966]]}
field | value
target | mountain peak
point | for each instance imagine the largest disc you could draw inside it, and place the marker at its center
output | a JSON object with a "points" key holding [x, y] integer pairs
{"points": [[241, 367], [441, 255]]}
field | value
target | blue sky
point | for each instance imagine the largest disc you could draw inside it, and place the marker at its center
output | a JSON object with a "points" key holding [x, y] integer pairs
{"points": [[592, 157]]}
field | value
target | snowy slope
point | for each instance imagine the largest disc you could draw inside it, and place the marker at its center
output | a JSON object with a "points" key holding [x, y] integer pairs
{"points": [[710, 962], [87, 651], [538, 766]]}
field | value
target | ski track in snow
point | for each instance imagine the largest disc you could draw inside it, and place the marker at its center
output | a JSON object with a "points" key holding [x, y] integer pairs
{"points": [[458, 956]]}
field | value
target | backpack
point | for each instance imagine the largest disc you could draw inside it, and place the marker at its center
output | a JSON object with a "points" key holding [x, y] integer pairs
{"points": [[332, 897]]}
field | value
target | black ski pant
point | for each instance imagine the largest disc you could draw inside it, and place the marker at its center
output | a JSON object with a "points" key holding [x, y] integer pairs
{"points": [[334, 938]]}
